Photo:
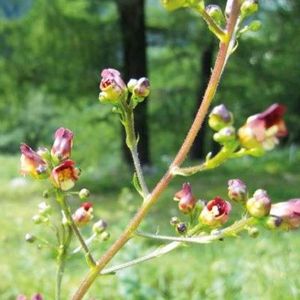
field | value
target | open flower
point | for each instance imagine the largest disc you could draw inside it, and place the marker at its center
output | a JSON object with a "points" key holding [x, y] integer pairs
{"points": [[112, 86], [288, 212], [32, 164], [185, 198], [65, 175], [62, 146], [215, 213], [83, 214], [264, 130]]}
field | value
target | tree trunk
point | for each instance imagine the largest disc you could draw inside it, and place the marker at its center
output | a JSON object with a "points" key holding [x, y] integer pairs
{"points": [[132, 22], [206, 60]]}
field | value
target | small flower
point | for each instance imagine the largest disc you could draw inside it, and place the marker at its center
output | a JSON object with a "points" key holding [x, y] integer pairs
{"points": [[99, 226], [63, 142], [288, 212], [112, 86], [32, 164], [65, 175], [260, 204], [237, 190], [37, 297], [215, 213], [186, 199], [83, 214], [264, 130], [220, 117]]}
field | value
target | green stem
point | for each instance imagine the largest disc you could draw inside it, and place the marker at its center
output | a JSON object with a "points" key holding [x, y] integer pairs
{"points": [[61, 199], [180, 157]]}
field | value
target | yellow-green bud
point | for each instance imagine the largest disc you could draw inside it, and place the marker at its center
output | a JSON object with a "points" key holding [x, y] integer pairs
{"points": [[220, 117], [225, 135], [255, 25], [29, 238], [249, 7], [105, 236], [173, 4], [99, 226], [215, 12], [84, 193], [259, 205]]}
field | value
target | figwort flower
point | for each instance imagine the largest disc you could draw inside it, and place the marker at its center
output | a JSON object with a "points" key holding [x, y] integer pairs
{"points": [[63, 141], [65, 175], [288, 212], [186, 199], [83, 214], [260, 204], [237, 190], [215, 213], [31, 163], [112, 86], [264, 130], [142, 88], [220, 117]]}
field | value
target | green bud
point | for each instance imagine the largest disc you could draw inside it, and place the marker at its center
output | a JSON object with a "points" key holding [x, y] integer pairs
{"points": [[84, 193], [215, 12], [249, 7], [254, 25], [274, 222], [30, 238], [99, 226], [131, 84], [105, 236], [253, 232], [259, 205], [225, 135], [173, 4], [220, 117]]}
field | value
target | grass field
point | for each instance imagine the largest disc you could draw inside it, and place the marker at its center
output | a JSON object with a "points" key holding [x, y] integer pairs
{"points": [[267, 267]]}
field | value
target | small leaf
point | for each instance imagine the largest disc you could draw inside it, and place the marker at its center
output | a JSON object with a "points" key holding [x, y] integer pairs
{"points": [[136, 184]]}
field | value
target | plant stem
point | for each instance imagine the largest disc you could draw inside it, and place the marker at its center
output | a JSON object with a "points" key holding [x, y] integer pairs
{"points": [[180, 157], [61, 199]]}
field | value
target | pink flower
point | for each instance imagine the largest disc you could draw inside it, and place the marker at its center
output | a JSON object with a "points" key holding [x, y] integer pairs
{"points": [[264, 130], [65, 175], [62, 145], [31, 163], [112, 86], [288, 212], [37, 297], [185, 198], [83, 214], [215, 213]]}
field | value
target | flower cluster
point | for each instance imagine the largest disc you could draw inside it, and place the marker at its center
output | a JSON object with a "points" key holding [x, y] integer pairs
{"points": [[55, 165]]}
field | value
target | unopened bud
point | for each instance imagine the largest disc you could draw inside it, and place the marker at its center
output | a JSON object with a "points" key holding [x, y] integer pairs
{"points": [[84, 193], [46, 194], [173, 4], [29, 238], [185, 198], [259, 205], [253, 232], [237, 190], [273, 222], [254, 26], [142, 88], [105, 236], [44, 208], [174, 221], [249, 7], [37, 219], [225, 135], [215, 12], [220, 117], [99, 226], [131, 84], [181, 228]]}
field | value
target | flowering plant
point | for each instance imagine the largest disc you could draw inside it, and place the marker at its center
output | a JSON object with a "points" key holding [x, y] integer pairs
{"points": [[198, 221]]}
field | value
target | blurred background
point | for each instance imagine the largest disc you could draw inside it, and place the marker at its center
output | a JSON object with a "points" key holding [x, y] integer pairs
{"points": [[51, 56]]}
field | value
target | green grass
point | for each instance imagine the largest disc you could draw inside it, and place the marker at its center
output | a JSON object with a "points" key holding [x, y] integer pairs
{"points": [[242, 268]]}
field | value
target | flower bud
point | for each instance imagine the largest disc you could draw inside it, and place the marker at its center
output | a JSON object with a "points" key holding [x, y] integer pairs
{"points": [[142, 88], [65, 175], [273, 222], [174, 221], [44, 208], [237, 190], [131, 84], [185, 198], [225, 135], [173, 4], [215, 213], [255, 26], [38, 219], [84, 193], [83, 214], [288, 212], [105, 236], [220, 117], [215, 12], [37, 297], [29, 238], [63, 142], [253, 232], [249, 7], [112, 86], [181, 228], [259, 205], [44, 153], [32, 164], [99, 226]]}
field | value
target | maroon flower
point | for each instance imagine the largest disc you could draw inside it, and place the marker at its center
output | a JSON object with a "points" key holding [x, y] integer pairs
{"points": [[264, 130], [288, 212], [185, 198], [31, 163], [83, 214], [216, 212], [65, 175], [62, 146], [112, 86]]}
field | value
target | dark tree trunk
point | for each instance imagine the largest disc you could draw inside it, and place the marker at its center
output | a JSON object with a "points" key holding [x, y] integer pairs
{"points": [[206, 60], [132, 21]]}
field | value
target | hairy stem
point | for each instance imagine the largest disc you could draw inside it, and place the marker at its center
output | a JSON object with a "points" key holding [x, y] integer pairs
{"points": [[180, 157]]}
